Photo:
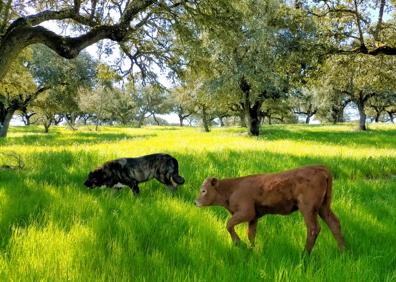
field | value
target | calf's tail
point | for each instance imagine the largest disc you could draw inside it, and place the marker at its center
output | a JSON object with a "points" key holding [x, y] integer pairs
{"points": [[327, 198]]}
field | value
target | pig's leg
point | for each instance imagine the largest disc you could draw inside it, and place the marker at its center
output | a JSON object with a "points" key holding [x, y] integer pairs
{"points": [[134, 187]]}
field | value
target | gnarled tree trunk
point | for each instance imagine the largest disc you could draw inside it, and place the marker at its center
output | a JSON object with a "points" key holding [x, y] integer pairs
{"points": [[26, 118], [5, 119], [390, 113], [252, 112], [361, 103], [205, 119], [242, 119], [253, 119], [362, 116]]}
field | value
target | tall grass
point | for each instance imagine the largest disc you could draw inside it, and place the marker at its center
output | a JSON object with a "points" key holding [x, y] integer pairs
{"points": [[53, 229]]}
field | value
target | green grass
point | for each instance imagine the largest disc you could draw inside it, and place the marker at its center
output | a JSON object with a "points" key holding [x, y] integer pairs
{"points": [[53, 229]]}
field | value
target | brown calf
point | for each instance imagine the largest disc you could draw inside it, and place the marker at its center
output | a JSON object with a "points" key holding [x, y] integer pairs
{"points": [[248, 198]]}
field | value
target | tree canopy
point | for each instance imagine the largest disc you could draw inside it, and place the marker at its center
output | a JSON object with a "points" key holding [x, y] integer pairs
{"points": [[255, 60], [143, 29]]}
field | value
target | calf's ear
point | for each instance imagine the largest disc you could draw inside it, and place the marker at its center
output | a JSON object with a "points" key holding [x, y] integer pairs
{"points": [[213, 181]]}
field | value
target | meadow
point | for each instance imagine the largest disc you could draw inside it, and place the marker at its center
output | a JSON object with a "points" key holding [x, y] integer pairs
{"points": [[54, 229]]}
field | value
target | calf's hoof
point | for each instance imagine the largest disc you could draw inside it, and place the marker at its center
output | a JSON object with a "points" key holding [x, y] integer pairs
{"points": [[237, 242]]}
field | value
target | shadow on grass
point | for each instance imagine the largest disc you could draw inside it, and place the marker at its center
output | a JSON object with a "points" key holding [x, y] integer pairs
{"points": [[385, 138], [57, 138], [23, 203]]}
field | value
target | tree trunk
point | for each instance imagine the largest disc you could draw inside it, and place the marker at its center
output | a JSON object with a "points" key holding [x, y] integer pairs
{"points": [[47, 126], [221, 121], [142, 116], [84, 118], [180, 119], [26, 118], [310, 113], [205, 119], [124, 119], [391, 116], [71, 120], [97, 124], [251, 112], [362, 116], [334, 114], [5, 123], [253, 121], [57, 119], [377, 116], [308, 118], [242, 119], [155, 119]]}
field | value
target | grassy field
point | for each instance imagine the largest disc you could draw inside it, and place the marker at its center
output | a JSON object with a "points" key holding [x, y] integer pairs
{"points": [[53, 229]]}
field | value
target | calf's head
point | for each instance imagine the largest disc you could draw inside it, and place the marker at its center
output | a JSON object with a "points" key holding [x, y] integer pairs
{"points": [[96, 178], [207, 193]]}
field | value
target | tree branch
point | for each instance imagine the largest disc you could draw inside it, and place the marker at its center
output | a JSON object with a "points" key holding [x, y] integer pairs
{"points": [[25, 31], [132, 9], [385, 50], [379, 21]]}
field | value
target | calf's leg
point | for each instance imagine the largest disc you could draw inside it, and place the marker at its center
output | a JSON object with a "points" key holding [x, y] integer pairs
{"points": [[237, 218], [313, 228], [334, 224], [252, 231]]}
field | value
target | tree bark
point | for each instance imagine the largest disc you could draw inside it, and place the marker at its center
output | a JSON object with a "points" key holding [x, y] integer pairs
{"points": [[242, 119], [85, 118], [57, 119], [97, 124], [47, 125], [155, 119], [221, 121], [336, 114], [391, 116], [181, 119], [205, 120], [253, 119], [252, 116], [26, 118], [362, 116], [5, 122], [377, 117], [142, 116], [71, 120]]}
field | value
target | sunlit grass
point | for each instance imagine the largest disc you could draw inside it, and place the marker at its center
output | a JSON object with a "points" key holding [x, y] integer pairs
{"points": [[53, 229]]}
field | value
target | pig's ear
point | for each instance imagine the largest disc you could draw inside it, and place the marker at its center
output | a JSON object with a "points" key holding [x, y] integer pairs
{"points": [[213, 181]]}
